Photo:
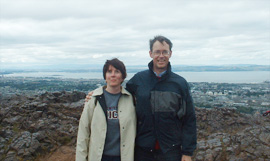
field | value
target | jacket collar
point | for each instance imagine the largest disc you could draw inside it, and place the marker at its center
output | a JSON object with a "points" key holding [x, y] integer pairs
{"points": [[99, 91], [150, 66]]}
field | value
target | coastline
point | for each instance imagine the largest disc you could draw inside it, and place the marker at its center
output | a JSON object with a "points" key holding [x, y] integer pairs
{"points": [[202, 76]]}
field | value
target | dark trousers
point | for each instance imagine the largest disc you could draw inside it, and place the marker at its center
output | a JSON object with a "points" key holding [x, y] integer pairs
{"points": [[110, 158], [156, 155]]}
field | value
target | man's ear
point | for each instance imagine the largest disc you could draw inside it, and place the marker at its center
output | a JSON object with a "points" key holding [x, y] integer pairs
{"points": [[150, 54], [170, 55]]}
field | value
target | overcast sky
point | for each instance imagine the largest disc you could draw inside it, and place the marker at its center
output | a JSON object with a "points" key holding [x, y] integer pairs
{"points": [[85, 32]]}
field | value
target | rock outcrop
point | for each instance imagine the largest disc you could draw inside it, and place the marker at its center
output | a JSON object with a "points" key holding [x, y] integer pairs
{"points": [[224, 134], [32, 127]]}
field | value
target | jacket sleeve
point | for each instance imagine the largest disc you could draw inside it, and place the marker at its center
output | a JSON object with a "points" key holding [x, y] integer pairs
{"points": [[189, 135], [84, 131], [131, 85]]}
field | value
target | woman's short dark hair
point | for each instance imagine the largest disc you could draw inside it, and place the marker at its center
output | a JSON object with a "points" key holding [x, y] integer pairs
{"points": [[117, 64], [161, 39]]}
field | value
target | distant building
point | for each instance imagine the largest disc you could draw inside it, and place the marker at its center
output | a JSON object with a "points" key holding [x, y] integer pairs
{"points": [[210, 93], [246, 88], [239, 104], [265, 103]]}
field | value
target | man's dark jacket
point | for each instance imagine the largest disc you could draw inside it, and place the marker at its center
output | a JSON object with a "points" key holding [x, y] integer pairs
{"points": [[165, 111]]}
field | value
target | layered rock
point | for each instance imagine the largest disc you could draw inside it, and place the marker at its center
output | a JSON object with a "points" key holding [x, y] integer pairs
{"points": [[34, 126], [224, 134]]}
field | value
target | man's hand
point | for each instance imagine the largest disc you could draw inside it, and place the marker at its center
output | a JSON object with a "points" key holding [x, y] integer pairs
{"points": [[88, 97], [186, 158]]}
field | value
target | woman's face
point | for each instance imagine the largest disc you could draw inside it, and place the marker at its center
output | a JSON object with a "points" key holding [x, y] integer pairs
{"points": [[113, 77]]}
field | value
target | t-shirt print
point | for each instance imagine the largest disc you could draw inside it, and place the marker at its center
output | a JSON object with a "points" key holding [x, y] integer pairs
{"points": [[112, 113]]}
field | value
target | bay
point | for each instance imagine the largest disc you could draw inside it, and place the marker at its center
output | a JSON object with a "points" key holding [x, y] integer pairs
{"points": [[217, 77]]}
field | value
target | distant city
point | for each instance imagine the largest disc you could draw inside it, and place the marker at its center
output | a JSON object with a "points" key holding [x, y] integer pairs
{"points": [[245, 97]]}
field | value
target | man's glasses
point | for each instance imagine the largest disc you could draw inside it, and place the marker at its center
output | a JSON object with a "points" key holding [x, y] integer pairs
{"points": [[164, 53]]}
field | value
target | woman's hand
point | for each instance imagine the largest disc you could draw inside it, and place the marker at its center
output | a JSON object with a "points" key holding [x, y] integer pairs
{"points": [[186, 158]]}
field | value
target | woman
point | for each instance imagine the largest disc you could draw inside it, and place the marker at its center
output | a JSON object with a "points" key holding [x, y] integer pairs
{"points": [[107, 127]]}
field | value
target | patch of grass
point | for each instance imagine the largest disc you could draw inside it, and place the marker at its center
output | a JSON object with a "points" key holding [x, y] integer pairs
{"points": [[223, 152], [64, 140], [16, 128]]}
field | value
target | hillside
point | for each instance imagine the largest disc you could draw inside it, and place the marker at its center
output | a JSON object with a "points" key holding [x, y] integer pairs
{"points": [[44, 127]]}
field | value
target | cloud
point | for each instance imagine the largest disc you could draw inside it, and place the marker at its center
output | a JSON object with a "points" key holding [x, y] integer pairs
{"points": [[89, 32]]}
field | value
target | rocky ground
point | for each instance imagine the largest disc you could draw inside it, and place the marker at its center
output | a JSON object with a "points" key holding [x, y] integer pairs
{"points": [[44, 127]]}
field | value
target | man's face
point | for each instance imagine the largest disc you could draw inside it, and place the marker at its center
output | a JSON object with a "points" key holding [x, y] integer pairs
{"points": [[160, 54]]}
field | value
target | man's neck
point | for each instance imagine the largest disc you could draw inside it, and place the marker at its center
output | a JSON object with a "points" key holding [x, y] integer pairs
{"points": [[160, 74], [159, 71]]}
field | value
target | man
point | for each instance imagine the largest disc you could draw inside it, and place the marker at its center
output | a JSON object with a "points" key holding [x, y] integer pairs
{"points": [[166, 122]]}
